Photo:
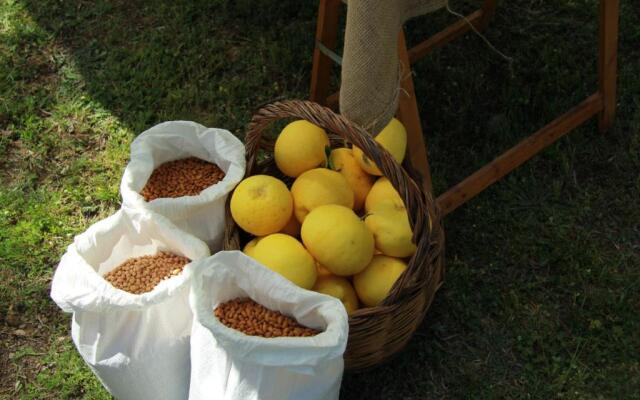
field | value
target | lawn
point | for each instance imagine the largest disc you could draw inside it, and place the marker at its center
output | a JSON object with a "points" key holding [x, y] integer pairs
{"points": [[542, 291]]}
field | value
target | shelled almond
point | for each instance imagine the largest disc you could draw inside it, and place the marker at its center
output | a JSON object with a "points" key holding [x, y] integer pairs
{"points": [[141, 274], [185, 177], [251, 318]]}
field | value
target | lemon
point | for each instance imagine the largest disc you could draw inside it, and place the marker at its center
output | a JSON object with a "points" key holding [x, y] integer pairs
{"points": [[382, 191], [393, 138], [286, 255], [337, 239], [261, 205], [292, 228], [300, 147], [341, 289], [322, 271], [249, 247], [389, 224], [318, 187], [374, 283], [342, 160]]}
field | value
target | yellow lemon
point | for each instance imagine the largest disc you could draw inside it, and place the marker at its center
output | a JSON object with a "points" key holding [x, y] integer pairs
{"points": [[382, 191], [292, 228], [341, 289], [261, 205], [342, 160], [389, 224], [337, 239], [300, 147], [374, 283], [322, 271], [286, 255], [318, 187], [393, 138], [249, 247]]}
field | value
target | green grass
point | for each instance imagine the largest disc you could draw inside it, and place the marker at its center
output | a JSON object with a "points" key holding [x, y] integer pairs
{"points": [[541, 294]]}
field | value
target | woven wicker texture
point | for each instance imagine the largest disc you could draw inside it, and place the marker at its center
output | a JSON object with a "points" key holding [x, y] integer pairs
{"points": [[376, 333]]}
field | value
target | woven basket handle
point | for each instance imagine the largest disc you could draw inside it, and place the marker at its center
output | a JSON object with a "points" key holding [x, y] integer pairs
{"points": [[414, 199]]}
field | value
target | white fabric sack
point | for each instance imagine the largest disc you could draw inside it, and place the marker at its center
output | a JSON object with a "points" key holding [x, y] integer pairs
{"points": [[229, 365], [137, 345], [201, 215]]}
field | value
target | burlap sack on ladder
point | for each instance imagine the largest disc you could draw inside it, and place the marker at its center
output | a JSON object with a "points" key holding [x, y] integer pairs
{"points": [[370, 69]]}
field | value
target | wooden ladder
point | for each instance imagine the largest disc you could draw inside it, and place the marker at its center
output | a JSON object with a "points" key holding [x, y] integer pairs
{"points": [[602, 102]]}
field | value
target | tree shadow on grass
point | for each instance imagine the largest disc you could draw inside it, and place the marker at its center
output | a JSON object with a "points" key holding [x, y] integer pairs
{"points": [[209, 61]]}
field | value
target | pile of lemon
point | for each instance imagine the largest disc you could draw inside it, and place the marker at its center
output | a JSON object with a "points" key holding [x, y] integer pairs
{"points": [[340, 229]]}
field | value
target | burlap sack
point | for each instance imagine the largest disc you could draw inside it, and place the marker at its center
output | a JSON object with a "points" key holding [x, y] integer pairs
{"points": [[370, 70]]}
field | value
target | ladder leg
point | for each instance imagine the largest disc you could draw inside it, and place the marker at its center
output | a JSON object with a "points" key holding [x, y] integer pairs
{"points": [[608, 61], [408, 114], [488, 10], [327, 34]]}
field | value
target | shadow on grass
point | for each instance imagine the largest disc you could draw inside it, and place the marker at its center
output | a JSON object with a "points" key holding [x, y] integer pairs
{"points": [[210, 61]]}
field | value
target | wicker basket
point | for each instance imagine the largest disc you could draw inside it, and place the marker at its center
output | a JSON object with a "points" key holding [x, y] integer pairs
{"points": [[375, 334]]}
